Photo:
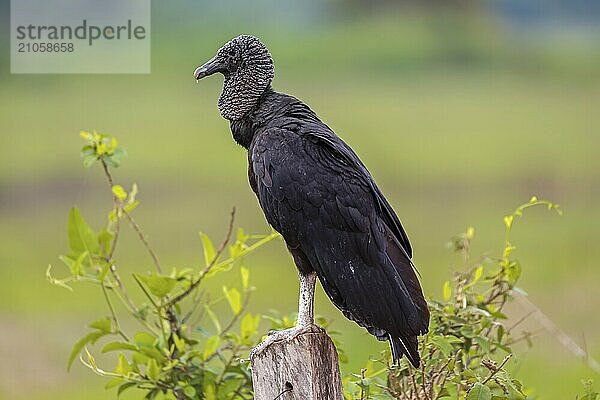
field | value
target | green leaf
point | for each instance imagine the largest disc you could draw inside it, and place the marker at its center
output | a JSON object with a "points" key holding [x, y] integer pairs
{"points": [[89, 159], [236, 249], [103, 325], [117, 156], [152, 370], [478, 273], [500, 333], [479, 392], [249, 325], [151, 395], [85, 135], [443, 393], [443, 344], [470, 233], [190, 392], [104, 241], [112, 383], [124, 387], [81, 236], [484, 343], [102, 273], [75, 266], [515, 390], [91, 337], [144, 339], [467, 331], [131, 206], [113, 346], [245, 272], [234, 298], [159, 285], [513, 272], [447, 291], [112, 216], [123, 367], [110, 161], [119, 192], [241, 235], [87, 150], [210, 392], [212, 344], [179, 343], [151, 352], [138, 358], [213, 317], [209, 249]]}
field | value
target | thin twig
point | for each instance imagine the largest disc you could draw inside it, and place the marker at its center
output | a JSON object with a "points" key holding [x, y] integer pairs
{"points": [[414, 383], [236, 316], [170, 315], [109, 178], [135, 312], [362, 386], [137, 280], [523, 318], [237, 392], [423, 383], [114, 314], [433, 373], [109, 258], [198, 318], [206, 269], [196, 302], [125, 297], [122, 292], [143, 239], [226, 366], [498, 369], [442, 384], [525, 336]]}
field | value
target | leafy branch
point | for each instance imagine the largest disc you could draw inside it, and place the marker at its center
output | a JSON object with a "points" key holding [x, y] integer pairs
{"points": [[468, 333], [170, 356]]}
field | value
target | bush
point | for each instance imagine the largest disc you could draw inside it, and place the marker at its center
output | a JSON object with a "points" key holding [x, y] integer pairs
{"points": [[469, 346], [173, 353]]}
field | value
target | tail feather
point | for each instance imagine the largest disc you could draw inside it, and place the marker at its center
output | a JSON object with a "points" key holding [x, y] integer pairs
{"points": [[408, 346]]}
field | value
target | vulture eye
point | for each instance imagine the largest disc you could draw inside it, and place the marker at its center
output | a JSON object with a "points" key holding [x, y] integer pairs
{"points": [[233, 59]]}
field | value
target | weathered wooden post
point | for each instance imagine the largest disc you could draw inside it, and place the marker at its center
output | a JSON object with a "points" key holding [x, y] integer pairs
{"points": [[303, 367]]}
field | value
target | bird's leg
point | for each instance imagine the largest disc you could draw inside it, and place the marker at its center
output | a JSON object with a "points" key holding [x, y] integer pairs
{"points": [[306, 316], [305, 322]]}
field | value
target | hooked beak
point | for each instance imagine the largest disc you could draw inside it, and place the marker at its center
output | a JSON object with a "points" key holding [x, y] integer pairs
{"points": [[210, 67]]}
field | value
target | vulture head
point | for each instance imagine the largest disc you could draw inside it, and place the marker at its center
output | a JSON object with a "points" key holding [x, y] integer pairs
{"points": [[248, 69]]}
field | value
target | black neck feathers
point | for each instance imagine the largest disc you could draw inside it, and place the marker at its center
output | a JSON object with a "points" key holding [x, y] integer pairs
{"points": [[272, 109]]}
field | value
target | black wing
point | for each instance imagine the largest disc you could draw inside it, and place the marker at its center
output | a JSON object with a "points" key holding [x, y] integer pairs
{"points": [[341, 151], [315, 191]]}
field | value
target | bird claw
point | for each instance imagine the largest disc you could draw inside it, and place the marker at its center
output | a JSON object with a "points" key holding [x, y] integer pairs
{"points": [[285, 335]]}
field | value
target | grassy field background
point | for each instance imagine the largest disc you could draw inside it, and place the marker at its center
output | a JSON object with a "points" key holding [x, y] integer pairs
{"points": [[458, 121]]}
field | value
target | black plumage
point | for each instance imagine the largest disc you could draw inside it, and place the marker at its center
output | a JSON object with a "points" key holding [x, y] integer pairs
{"points": [[317, 193]]}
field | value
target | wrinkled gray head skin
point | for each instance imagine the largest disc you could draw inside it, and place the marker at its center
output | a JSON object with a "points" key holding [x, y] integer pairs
{"points": [[248, 69]]}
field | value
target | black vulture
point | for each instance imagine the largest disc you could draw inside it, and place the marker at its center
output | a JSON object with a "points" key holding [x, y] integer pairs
{"points": [[316, 192]]}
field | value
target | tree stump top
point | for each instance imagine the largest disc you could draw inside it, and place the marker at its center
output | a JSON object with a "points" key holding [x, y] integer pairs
{"points": [[301, 367]]}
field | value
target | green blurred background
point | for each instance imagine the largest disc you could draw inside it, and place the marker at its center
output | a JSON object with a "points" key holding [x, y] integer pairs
{"points": [[461, 109]]}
